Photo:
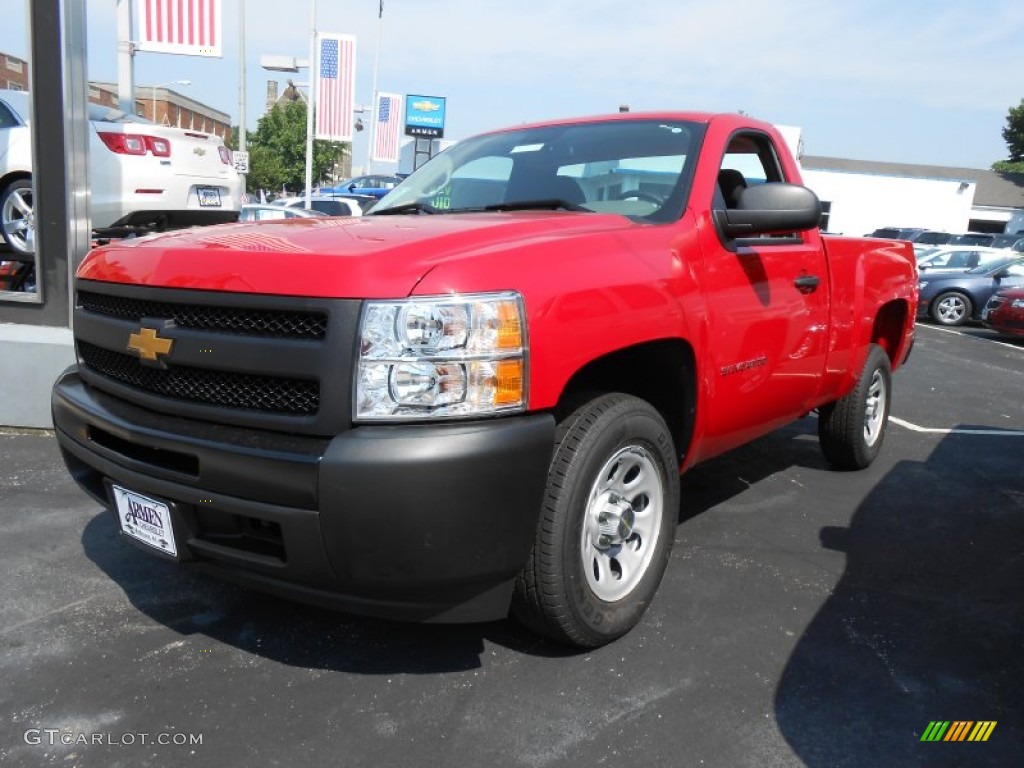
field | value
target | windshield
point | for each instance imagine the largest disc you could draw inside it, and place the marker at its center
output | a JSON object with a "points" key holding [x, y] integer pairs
{"points": [[1005, 241], [637, 168], [933, 238], [1014, 263], [102, 114]]}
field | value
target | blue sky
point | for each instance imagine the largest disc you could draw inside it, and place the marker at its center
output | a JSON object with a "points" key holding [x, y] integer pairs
{"points": [[918, 81]]}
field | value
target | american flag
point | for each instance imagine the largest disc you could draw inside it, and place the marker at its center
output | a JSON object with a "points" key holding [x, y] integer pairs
{"points": [[190, 27], [387, 128], [335, 87]]}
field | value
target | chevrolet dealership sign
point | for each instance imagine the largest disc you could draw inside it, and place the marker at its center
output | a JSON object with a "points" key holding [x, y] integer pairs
{"points": [[424, 116]]}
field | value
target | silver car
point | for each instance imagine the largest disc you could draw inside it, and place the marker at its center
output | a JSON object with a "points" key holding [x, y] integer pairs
{"points": [[142, 176]]}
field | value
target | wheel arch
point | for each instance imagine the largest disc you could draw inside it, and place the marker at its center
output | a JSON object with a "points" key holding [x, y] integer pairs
{"points": [[5, 181], [889, 330], [663, 372]]}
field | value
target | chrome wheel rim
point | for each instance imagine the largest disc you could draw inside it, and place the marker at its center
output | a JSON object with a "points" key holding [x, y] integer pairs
{"points": [[952, 310], [19, 221], [622, 522], [874, 411]]}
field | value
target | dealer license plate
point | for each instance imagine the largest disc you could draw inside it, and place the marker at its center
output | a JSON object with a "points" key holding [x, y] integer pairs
{"points": [[209, 197], [145, 519]]}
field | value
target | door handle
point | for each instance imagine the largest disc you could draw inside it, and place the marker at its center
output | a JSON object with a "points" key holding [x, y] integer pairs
{"points": [[807, 283]]}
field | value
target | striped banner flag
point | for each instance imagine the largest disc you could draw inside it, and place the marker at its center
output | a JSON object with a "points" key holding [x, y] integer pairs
{"points": [[388, 128], [335, 87], [189, 27]]}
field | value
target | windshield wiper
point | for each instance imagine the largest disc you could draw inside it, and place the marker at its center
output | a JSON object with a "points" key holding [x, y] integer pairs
{"points": [[418, 207], [546, 203]]}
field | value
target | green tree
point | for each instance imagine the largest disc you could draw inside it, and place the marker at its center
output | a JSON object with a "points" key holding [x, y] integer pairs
{"points": [[1013, 134], [277, 150]]}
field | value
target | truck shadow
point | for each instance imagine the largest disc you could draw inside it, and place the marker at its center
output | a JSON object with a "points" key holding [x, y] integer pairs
{"points": [[926, 622], [190, 603], [291, 633], [724, 477]]}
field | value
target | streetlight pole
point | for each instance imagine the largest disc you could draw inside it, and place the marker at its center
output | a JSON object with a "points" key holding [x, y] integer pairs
{"points": [[241, 84], [164, 85], [310, 102], [371, 140]]}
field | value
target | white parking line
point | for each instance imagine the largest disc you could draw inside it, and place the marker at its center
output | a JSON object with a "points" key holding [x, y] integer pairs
{"points": [[939, 431], [1008, 344]]}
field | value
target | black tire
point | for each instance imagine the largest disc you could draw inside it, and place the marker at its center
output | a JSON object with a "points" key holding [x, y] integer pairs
{"points": [[851, 430], [614, 464], [951, 308], [17, 241]]}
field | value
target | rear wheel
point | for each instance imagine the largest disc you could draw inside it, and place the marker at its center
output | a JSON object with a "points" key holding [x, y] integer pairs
{"points": [[952, 308], [17, 217], [851, 429], [607, 524]]}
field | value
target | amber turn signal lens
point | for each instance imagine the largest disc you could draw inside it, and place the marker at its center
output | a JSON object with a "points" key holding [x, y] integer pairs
{"points": [[510, 334], [508, 385]]}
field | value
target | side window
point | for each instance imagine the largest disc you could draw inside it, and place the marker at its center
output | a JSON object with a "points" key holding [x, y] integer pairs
{"points": [[749, 159], [6, 118]]}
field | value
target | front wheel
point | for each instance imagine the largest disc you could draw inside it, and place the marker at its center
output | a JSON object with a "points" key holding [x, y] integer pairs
{"points": [[17, 217], [607, 525], [851, 429], [952, 308]]}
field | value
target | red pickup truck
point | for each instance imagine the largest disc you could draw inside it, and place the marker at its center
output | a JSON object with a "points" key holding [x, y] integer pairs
{"points": [[480, 397]]}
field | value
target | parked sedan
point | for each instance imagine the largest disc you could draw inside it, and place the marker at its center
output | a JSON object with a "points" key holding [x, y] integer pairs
{"points": [[1005, 312], [952, 258], [326, 204], [972, 238], [142, 176], [271, 212], [373, 185], [953, 299], [1014, 242]]}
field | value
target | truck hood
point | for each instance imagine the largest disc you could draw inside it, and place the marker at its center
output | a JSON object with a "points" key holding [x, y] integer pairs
{"points": [[360, 257]]}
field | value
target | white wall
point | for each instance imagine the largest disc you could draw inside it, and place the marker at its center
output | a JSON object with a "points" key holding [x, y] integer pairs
{"points": [[34, 356], [862, 202]]}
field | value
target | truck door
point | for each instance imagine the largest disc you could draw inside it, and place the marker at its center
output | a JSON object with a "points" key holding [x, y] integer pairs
{"points": [[768, 310]]}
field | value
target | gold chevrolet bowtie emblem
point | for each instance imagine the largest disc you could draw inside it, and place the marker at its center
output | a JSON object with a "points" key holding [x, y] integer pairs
{"points": [[148, 344]]}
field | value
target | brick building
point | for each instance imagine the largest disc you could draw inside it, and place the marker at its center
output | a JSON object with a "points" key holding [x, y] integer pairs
{"points": [[13, 73], [171, 107]]}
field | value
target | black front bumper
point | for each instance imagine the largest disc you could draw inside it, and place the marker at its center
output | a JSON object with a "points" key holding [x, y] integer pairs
{"points": [[421, 522]]}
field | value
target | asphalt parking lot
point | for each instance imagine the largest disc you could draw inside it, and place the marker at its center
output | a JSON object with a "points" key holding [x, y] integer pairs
{"points": [[808, 617]]}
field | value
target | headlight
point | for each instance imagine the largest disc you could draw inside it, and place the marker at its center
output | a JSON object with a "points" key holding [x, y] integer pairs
{"points": [[1017, 303], [430, 358]]}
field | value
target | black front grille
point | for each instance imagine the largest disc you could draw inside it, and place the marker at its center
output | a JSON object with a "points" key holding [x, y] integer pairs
{"points": [[244, 391], [270, 323]]}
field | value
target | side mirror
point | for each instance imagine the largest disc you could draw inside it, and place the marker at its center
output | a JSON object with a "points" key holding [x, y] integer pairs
{"points": [[352, 187], [770, 208]]}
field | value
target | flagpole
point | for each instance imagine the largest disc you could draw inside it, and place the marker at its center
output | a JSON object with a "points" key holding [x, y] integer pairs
{"points": [[311, 101], [374, 116], [241, 89]]}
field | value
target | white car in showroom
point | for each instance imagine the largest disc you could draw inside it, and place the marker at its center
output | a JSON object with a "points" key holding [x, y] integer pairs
{"points": [[142, 176]]}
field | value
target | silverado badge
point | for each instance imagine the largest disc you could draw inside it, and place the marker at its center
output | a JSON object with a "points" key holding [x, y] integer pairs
{"points": [[149, 345]]}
